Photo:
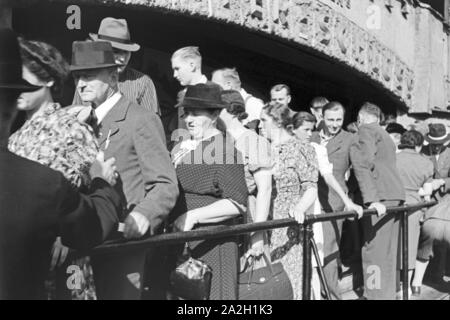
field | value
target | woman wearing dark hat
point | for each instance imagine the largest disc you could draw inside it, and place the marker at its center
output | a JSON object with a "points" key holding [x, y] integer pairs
{"points": [[51, 135], [416, 174], [212, 186]]}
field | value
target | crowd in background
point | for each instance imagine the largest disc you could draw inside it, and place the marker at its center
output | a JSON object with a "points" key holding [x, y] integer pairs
{"points": [[231, 158]]}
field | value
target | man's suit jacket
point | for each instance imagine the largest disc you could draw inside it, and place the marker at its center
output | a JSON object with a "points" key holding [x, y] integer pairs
{"points": [[374, 163], [135, 137], [338, 149], [36, 205]]}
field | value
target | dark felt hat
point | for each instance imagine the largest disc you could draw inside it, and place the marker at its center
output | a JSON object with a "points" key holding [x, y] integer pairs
{"points": [[203, 96], [88, 55], [437, 134], [11, 63]]}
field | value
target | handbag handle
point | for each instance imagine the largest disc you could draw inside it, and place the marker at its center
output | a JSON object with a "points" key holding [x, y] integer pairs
{"points": [[268, 264]]}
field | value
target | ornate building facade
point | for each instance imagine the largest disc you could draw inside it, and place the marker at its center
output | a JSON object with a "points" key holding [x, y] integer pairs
{"points": [[398, 48]]}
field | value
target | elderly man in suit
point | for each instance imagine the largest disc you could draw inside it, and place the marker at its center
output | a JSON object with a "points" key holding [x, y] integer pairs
{"points": [[135, 138], [337, 142], [374, 163], [38, 203]]}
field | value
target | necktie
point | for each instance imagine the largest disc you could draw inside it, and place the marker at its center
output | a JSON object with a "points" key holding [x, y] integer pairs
{"points": [[92, 120]]}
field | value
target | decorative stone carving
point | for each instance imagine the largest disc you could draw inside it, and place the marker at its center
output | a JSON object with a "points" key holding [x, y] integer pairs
{"points": [[342, 44], [399, 78], [310, 23], [301, 22], [202, 7], [387, 66], [323, 29], [409, 86], [374, 58], [359, 48], [227, 10], [255, 14], [281, 14]]}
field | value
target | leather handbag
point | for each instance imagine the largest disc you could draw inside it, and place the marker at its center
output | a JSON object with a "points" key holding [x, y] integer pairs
{"points": [[267, 283], [191, 280]]}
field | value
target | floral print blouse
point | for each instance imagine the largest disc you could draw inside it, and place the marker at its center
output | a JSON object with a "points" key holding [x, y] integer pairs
{"points": [[58, 140]]}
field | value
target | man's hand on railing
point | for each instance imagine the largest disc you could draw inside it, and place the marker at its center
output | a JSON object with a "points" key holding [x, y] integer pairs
{"points": [[135, 225], [381, 208]]}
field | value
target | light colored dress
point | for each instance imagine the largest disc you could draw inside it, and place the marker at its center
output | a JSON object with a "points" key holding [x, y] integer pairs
{"points": [[295, 171], [325, 167]]}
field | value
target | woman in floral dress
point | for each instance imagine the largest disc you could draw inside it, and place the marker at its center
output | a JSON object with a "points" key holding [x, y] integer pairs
{"points": [[295, 173], [53, 137]]}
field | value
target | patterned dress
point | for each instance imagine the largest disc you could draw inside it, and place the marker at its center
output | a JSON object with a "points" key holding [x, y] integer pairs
{"points": [[56, 139], [208, 172], [294, 172]]}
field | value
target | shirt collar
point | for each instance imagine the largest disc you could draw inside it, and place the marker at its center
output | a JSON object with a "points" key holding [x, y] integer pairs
{"points": [[324, 139], [102, 110], [243, 93]]}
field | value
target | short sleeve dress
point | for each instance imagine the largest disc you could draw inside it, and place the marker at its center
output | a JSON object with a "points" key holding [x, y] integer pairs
{"points": [[294, 172], [207, 172], [255, 152]]}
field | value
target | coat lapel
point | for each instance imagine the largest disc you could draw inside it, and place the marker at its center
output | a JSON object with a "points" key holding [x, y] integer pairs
{"points": [[110, 124], [335, 144]]}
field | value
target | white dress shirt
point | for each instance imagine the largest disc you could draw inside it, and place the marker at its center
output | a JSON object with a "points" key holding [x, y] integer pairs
{"points": [[102, 110]]}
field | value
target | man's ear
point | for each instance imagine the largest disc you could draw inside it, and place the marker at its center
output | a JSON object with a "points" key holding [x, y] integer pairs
{"points": [[289, 99]]}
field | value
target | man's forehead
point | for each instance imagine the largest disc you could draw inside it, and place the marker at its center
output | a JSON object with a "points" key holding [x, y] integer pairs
{"points": [[279, 92], [90, 72], [333, 113]]}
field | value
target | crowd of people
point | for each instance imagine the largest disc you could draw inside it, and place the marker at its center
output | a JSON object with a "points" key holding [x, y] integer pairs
{"points": [[101, 169]]}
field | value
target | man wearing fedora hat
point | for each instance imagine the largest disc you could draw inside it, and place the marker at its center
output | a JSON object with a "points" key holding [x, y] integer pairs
{"points": [[135, 137], [134, 85], [436, 149], [38, 203]]}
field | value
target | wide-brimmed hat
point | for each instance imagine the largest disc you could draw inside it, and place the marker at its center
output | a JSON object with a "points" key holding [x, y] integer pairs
{"points": [[11, 64], [203, 96], [88, 55], [437, 134], [395, 128], [116, 32]]}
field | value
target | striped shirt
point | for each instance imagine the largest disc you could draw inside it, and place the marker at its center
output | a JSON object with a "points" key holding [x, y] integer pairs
{"points": [[135, 86]]}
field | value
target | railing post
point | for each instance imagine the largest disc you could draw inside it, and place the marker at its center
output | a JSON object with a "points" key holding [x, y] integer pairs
{"points": [[405, 253], [307, 266]]}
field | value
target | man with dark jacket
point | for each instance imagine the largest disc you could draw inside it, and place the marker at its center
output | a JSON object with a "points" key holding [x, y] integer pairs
{"points": [[37, 203], [374, 163]]}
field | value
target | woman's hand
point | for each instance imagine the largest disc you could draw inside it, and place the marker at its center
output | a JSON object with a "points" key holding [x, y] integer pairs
{"points": [[59, 254], [256, 245], [297, 214], [351, 206], [186, 222]]}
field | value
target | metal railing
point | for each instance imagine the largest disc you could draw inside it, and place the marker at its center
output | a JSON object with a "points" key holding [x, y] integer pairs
{"points": [[240, 229]]}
